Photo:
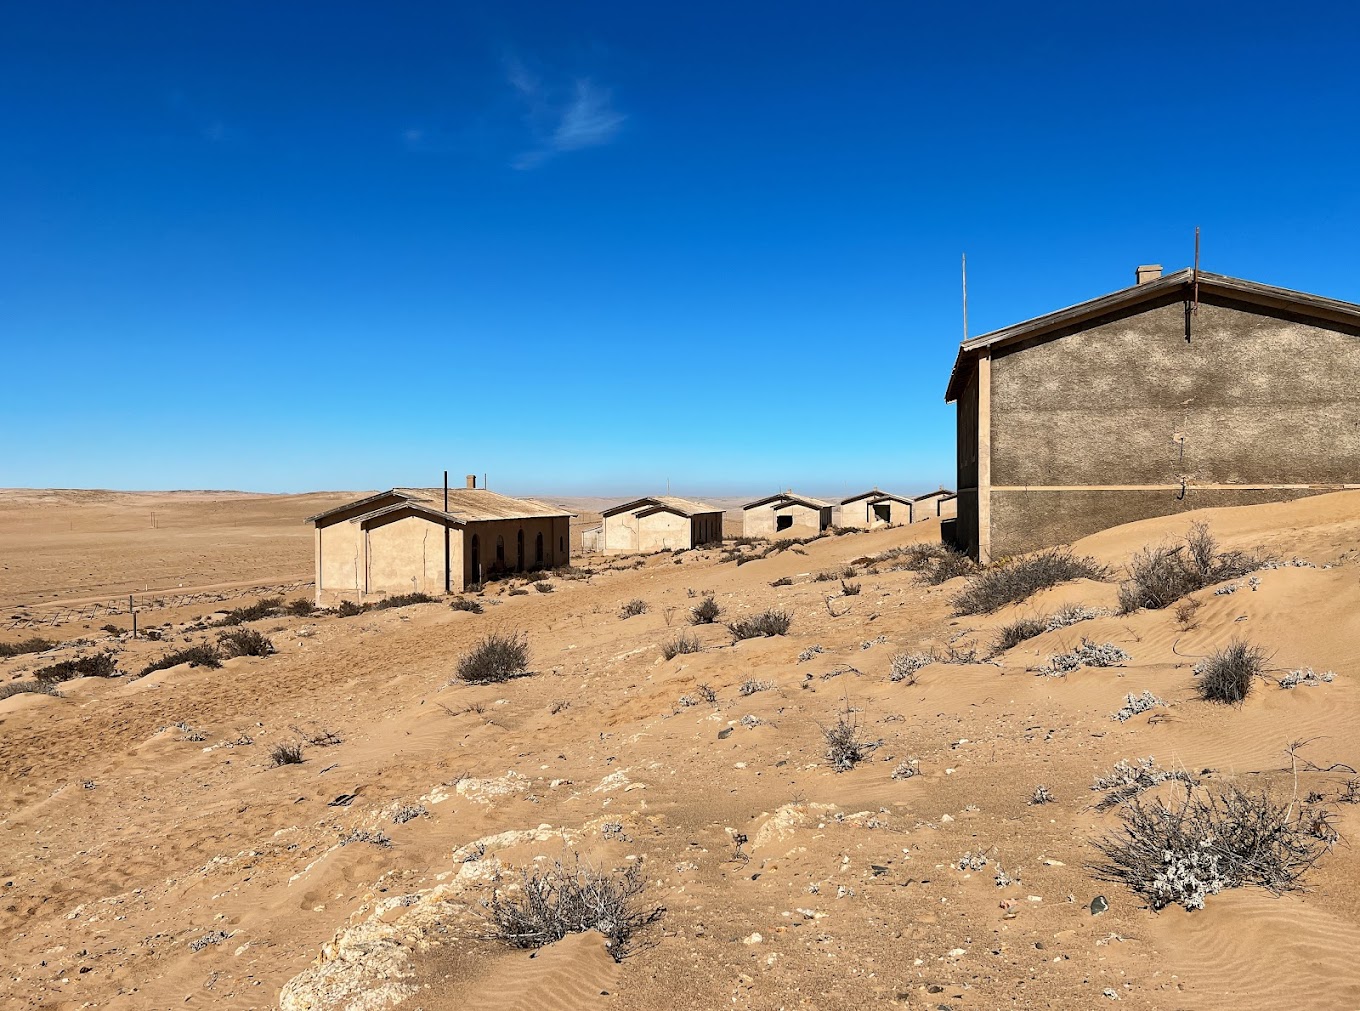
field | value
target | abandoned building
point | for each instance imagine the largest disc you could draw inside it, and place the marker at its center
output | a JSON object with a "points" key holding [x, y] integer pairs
{"points": [[660, 523], [1181, 392], [406, 540], [930, 504], [875, 508], [785, 514]]}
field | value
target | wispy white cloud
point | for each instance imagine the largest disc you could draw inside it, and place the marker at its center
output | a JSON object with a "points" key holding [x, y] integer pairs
{"points": [[585, 118]]}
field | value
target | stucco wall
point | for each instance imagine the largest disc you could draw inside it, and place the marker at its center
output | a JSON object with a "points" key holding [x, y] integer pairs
{"points": [[663, 531], [406, 556], [620, 533], [806, 520], [556, 545], [855, 514], [340, 561], [1248, 400]]}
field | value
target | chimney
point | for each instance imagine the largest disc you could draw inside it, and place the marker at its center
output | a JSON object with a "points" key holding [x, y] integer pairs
{"points": [[1148, 272], [472, 480]]}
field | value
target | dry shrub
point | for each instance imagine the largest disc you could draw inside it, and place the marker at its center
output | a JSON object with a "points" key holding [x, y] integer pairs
{"points": [[1016, 579], [464, 604], [544, 587], [1227, 674], [299, 608], [1186, 611], [402, 600], [782, 581], [101, 665], [1017, 632], [34, 645], [633, 608], [202, 655], [1161, 575], [266, 607], [849, 589], [498, 657], [563, 899], [765, 623], [285, 754], [705, 612], [1201, 843], [244, 642], [27, 688], [845, 743], [349, 609], [682, 643]]}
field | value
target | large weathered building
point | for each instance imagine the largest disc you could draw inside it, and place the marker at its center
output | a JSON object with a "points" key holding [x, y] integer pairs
{"points": [[1181, 392], [786, 514], [405, 541], [659, 523]]}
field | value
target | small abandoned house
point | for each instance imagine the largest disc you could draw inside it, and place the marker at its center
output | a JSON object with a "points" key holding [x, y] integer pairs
{"points": [[659, 523], [786, 515], [1180, 392], [875, 508], [405, 541], [929, 505]]}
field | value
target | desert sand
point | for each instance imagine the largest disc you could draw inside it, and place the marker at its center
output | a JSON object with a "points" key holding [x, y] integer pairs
{"points": [[151, 857]]}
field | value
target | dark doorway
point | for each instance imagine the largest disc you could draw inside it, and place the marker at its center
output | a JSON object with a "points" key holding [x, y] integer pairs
{"points": [[519, 551], [500, 552], [538, 551], [883, 512], [476, 559], [783, 522]]}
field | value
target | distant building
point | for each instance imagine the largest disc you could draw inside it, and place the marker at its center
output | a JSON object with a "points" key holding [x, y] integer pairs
{"points": [[1181, 392], [660, 523], [786, 514], [403, 541], [876, 508], [592, 539], [930, 504]]}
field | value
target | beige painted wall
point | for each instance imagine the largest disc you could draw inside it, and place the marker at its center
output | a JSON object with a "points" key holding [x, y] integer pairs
{"points": [[340, 561], [407, 556], [855, 514], [556, 546], [620, 533], [664, 531]]}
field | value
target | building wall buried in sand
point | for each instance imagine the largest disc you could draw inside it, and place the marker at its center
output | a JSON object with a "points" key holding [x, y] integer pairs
{"points": [[1156, 412], [406, 555], [518, 545], [659, 523], [878, 510]]}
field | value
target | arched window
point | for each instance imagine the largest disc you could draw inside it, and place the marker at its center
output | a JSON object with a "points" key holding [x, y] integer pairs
{"points": [[476, 559], [500, 551], [519, 550], [538, 550]]}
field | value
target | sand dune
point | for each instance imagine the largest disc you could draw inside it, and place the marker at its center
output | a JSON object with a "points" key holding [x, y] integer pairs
{"points": [[150, 856]]}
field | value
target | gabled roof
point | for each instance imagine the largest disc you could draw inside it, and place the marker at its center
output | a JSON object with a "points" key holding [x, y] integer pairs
{"points": [[466, 505], [876, 494], [938, 493], [658, 503], [785, 497], [1171, 288]]}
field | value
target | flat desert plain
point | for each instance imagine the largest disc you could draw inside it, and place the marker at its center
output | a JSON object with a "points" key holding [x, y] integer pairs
{"points": [[152, 855]]}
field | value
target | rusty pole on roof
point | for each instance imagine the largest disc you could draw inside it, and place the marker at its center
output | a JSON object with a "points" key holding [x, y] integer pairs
{"points": [[448, 576], [965, 297]]}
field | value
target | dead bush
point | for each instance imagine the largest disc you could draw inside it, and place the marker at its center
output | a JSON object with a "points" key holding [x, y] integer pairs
{"points": [[265, 607], [633, 608], [349, 609], [1016, 579], [705, 612], [465, 604], [244, 642], [849, 589], [402, 600], [202, 655], [285, 754], [563, 899], [34, 645], [544, 587], [682, 643], [782, 581], [1202, 842], [27, 688], [1017, 632], [765, 623], [845, 743], [1227, 674], [498, 657], [1158, 576], [300, 608], [101, 665]]}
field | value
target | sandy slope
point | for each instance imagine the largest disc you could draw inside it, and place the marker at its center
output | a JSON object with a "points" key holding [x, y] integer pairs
{"points": [[123, 845]]}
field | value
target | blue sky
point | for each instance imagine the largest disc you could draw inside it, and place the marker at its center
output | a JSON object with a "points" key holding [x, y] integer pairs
{"points": [[588, 248]]}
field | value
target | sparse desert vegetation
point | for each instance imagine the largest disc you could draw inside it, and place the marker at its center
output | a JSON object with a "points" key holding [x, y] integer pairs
{"points": [[1228, 674], [1160, 575], [1017, 579], [497, 657], [770, 622]]}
